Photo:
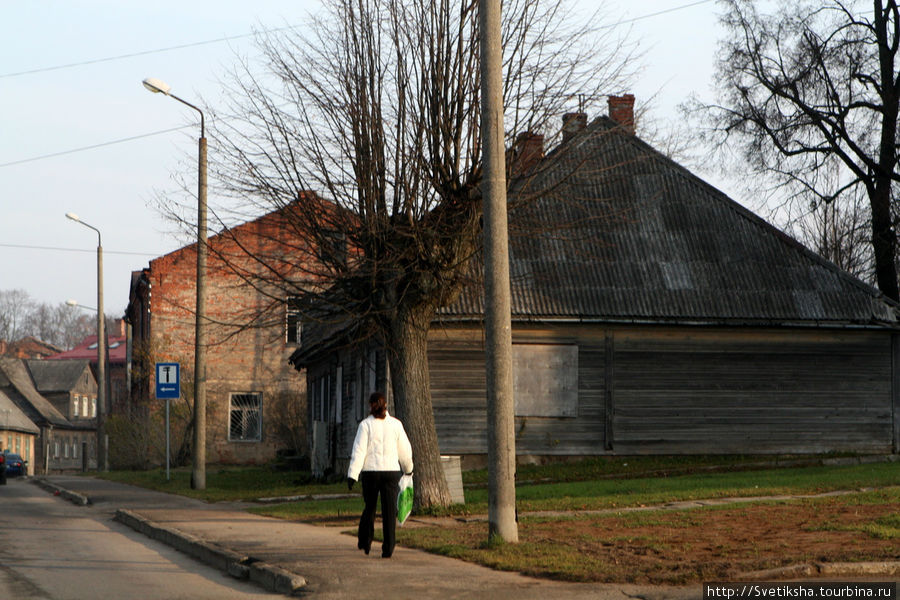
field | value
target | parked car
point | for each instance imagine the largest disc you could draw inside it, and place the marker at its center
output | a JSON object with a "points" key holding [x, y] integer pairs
{"points": [[15, 466], [2, 469]]}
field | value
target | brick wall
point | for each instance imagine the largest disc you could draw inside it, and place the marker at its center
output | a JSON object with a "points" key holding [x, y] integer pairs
{"points": [[239, 360]]}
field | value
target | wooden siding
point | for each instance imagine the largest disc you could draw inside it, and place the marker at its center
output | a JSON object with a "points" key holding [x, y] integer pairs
{"points": [[686, 390], [458, 391], [753, 396]]}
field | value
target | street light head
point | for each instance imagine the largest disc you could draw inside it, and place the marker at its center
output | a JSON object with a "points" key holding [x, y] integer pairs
{"points": [[73, 216], [72, 302], [156, 86]]}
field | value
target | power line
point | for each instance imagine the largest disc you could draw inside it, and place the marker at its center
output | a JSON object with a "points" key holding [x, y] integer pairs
{"points": [[141, 53], [93, 146], [91, 250], [656, 14], [122, 56], [275, 30]]}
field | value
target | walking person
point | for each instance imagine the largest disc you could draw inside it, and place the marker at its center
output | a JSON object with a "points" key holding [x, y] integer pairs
{"points": [[381, 455]]}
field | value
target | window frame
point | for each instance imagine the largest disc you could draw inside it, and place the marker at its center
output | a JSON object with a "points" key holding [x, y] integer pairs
{"points": [[232, 409], [293, 324]]}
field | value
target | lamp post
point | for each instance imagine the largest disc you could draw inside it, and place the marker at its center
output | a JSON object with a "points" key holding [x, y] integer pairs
{"points": [[198, 472], [102, 458]]}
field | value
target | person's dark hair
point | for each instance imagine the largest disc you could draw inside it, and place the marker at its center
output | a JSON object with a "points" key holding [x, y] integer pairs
{"points": [[378, 405]]}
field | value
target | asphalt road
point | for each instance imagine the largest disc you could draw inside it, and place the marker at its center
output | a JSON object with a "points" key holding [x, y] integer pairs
{"points": [[51, 549]]}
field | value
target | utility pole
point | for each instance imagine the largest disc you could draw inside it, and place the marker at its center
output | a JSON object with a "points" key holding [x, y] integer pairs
{"points": [[102, 352], [198, 469], [102, 398], [198, 473], [500, 401]]}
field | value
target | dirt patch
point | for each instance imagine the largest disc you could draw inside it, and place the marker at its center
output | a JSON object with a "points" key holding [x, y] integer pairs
{"points": [[684, 546]]}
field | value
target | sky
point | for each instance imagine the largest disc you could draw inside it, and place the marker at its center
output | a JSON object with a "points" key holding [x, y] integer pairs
{"points": [[80, 134]]}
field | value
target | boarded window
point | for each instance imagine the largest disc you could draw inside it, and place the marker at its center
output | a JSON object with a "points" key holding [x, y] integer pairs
{"points": [[246, 418], [545, 380]]}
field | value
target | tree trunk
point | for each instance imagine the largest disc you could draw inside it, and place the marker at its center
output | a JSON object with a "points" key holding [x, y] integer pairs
{"points": [[884, 240], [407, 351], [884, 237]]}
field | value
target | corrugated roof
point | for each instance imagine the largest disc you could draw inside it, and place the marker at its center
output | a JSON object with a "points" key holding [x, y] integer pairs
{"points": [[12, 418], [16, 383], [87, 350], [607, 228], [56, 375]]}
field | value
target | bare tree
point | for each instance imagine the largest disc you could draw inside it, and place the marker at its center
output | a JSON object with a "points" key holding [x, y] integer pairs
{"points": [[377, 111], [14, 308], [61, 325], [809, 86], [838, 230]]}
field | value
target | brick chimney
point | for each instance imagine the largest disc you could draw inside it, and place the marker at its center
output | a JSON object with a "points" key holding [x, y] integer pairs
{"points": [[572, 124], [621, 110], [526, 152]]}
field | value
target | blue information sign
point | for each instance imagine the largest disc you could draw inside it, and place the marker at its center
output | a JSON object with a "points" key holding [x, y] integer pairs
{"points": [[168, 381]]}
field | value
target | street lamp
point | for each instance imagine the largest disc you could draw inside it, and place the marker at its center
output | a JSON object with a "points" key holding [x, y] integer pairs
{"points": [[77, 304], [198, 473], [102, 458]]}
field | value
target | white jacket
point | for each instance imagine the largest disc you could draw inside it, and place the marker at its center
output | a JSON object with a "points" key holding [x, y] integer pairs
{"points": [[380, 445]]}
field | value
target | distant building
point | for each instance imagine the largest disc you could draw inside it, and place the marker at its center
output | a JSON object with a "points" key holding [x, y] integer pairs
{"points": [[116, 364], [50, 431], [28, 347], [17, 432]]}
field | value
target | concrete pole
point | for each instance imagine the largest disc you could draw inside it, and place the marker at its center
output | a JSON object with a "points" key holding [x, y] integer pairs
{"points": [[198, 473], [102, 458], [500, 402]]}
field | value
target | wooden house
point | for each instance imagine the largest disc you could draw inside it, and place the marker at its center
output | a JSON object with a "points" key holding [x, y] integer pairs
{"points": [[54, 442], [651, 314]]}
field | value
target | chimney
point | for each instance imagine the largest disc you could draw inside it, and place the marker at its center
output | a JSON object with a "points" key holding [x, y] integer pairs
{"points": [[572, 124], [526, 153], [621, 110]]}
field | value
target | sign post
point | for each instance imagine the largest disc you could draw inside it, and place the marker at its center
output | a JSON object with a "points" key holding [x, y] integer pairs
{"points": [[168, 387]]}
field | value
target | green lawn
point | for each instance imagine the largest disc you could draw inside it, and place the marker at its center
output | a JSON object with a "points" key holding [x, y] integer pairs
{"points": [[638, 491]]}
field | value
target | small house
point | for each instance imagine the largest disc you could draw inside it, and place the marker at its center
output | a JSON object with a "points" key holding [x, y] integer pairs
{"points": [[651, 314]]}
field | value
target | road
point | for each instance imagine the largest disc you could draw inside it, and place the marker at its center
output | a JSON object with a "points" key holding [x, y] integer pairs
{"points": [[51, 549]]}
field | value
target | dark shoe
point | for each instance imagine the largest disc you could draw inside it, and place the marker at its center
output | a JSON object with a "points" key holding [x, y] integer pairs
{"points": [[364, 547]]}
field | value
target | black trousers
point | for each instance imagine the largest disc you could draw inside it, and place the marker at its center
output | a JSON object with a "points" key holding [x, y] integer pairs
{"points": [[387, 485]]}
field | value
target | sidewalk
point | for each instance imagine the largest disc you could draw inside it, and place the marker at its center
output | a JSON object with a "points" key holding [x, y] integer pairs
{"points": [[299, 559]]}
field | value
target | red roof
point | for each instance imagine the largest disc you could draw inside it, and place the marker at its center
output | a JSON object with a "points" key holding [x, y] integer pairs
{"points": [[87, 349]]}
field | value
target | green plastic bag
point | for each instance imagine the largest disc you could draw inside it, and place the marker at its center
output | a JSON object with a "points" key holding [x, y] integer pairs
{"points": [[405, 499]]}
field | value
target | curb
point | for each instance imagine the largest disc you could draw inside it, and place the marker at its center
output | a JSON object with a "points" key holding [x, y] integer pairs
{"points": [[843, 569], [72, 497], [273, 578]]}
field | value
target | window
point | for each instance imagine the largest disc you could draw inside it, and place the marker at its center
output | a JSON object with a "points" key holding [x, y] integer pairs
{"points": [[75, 449], [77, 406], [245, 418], [333, 248], [93, 407], [293, 325], [66, 449]]}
